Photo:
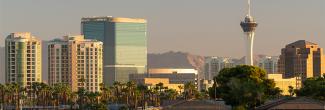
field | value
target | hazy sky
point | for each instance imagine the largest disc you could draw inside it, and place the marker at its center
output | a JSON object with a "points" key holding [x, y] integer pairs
{"points": [[203, 27]]}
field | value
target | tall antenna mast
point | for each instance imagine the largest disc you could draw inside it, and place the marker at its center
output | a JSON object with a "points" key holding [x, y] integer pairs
{"points": [[249, 7]]}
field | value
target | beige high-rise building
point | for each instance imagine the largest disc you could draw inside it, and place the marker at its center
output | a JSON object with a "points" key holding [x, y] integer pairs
{"points": [[301, 58], [23, 59], [77, 62]]}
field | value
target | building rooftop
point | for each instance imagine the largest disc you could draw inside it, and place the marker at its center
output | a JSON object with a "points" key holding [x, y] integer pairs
{"points": [[74, 38], [303, 103], [301, 43], [21, 36], [172, 71], [113, 19]]}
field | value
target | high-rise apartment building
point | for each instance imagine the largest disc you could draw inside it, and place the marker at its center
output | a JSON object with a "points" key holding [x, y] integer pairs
{"points": [[213, 65], [125, 45], [23, 59], [269, 64], [301, 58], [76, 61]]}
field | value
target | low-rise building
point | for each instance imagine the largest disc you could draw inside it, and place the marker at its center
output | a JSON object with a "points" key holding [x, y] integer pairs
{"points": [[284, 83], [151, 82], [297, 103], [175, 76]]}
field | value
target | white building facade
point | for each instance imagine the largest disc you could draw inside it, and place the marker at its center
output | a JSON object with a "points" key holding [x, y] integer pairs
{"points": [[213, 65], [269, 64]]}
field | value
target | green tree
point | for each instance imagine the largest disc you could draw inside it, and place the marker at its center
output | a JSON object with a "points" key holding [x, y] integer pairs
{"points": [[129, 92], [190, 90], [160, 86], [106, 94], [244, 87], [171, 94], [313, 87], [15, 94], [180, 87], [81, 97], [118, 89], [2, 96], [291, 91], [63, 92], [143, 90]]}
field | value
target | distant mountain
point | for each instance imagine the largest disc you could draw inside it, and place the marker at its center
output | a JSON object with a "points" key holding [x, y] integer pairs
{"points": [[256, 58], [185, 60], [2, 65], [176, 60]]}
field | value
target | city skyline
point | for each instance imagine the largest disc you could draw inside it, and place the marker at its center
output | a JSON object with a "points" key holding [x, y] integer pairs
{"points": [[213, 25], [163, 54]]}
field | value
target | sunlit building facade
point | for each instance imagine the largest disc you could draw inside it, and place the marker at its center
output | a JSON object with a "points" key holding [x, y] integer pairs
{"points": [[301, 58], [23, 59], [284, 83], [152, 82], [76, 61], [174, 75], [125, 45]]}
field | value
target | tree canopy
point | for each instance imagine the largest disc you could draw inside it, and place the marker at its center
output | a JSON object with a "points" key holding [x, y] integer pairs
{"points": [[244, 87], [313, 87]]}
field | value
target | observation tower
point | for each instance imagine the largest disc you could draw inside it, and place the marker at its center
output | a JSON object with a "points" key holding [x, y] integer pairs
{"points": [[249, 25]]}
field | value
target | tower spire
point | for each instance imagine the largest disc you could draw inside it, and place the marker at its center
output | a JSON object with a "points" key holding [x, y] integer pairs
{"points": [[249, 7]]}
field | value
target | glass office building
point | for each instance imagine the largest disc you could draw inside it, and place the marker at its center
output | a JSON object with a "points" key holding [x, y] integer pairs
{"points": [[125, 45]]}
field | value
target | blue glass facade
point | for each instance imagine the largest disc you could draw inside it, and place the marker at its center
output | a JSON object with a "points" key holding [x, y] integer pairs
{"points": [[125, 47]]}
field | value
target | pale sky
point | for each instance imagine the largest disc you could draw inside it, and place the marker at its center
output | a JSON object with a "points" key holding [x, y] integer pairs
{"points": [[203, 27]]}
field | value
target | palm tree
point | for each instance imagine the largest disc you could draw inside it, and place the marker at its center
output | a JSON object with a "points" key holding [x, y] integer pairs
{"points": [[190, 89], [92, 100], [81, 97], [171, 94], [9, 94], [130, 88], [160, 86], [180, 87], [46, 94], [36, 89], [2, 96], [105, 93], [291, 91], [63, 91], [72, 100], [156, 95], [117, 86], [16, 92], [142, 89]]}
